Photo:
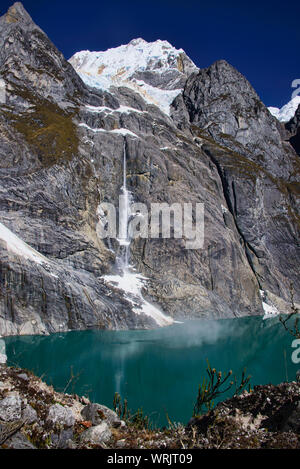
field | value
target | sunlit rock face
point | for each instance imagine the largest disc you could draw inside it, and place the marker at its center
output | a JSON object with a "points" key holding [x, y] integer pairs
{"points": [[259, 170], [190, 135]]}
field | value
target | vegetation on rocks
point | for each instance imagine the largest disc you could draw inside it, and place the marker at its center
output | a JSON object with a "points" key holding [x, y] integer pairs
{"points": [[48, 130], [212, 387]]}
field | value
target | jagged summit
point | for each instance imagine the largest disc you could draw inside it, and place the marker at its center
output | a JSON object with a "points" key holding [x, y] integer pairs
{"points": [[156, 70], [140, 55], [138, 40], [16, 13], [29, 59], [141, 41], [146, 67]]}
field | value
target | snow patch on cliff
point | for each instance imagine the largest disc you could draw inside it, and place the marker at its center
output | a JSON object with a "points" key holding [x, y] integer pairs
{"points": [[269, 309], [114, 131], [16, 245], [132, 284]]}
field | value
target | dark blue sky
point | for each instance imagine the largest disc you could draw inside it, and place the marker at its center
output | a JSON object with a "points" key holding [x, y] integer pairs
{"points": [[261, 39]]}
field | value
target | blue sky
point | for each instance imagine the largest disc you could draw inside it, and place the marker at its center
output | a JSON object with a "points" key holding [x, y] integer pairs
{"points": [[261, 39]]}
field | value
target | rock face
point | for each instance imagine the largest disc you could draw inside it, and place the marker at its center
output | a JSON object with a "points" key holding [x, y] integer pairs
{"points": [[61, 149], [259, 171]]}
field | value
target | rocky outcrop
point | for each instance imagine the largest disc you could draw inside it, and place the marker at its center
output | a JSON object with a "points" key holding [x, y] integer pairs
{"points": [[259, 171], [268, 417], [61, 147], [34, 416]]}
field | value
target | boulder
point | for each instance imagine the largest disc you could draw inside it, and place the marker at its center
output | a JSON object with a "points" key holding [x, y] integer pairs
{"points": [[96, 435], [11, 408], [60, 415], [62, 439], [18, 441], [96, 413], [29, 414]]}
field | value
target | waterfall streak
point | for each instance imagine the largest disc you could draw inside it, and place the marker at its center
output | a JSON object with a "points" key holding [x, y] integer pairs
{"points": [[130, 281]]}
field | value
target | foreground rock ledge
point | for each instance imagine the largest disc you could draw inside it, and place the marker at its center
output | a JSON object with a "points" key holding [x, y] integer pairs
{"points": [[34, 416]]}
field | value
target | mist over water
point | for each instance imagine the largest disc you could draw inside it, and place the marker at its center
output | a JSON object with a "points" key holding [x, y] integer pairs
{"points": [[159, 370]]}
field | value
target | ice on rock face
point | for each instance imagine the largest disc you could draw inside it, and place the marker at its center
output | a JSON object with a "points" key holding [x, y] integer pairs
{"points": [[19, 247], [117, 66], [123, 132], [3, 356], [132, 284], [286, 113], [269, 309]]}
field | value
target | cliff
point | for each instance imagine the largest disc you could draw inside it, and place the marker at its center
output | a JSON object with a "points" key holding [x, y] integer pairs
{"points": [[191, 135]]}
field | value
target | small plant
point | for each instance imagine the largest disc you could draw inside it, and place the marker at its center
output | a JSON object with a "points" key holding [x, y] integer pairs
{"points": [[212, 387], [120, 407], [138, 419], [243, 383], [72, 380]]}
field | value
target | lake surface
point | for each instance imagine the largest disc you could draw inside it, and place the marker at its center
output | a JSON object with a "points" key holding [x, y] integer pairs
{"points": [[159, 370]]}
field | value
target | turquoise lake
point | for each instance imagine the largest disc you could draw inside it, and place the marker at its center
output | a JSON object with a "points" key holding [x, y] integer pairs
{"points": [[158, 370]]}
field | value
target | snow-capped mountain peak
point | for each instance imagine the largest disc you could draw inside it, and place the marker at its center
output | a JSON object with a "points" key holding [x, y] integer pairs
{"points": [[287, 111], [157, 70]]}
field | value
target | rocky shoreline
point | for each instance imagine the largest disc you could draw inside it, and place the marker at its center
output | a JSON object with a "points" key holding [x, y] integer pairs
{"points": [[34, 416]]}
